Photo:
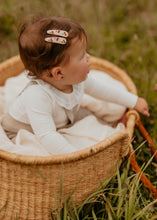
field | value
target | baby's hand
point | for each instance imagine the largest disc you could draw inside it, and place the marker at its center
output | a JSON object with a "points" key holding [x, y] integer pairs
{"points": [[142, 107]]}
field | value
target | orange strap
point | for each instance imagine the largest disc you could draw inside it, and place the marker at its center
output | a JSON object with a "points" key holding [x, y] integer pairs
{"points": [[147, 137], [134, 164], [144, 179]]}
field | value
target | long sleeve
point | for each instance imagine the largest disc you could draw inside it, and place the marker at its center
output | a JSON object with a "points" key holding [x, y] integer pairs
{"points": [[39, 112], [102, 89]]}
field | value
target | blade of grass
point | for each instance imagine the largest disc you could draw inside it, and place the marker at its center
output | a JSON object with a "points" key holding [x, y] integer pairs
{"points": [[65, 212], [126, 210], [154, 217], [75, 210], [132, 196], [140, 213], [111, 208], [3, 207], [109, 212], [36, 172], [94, 215], [120, 198]]}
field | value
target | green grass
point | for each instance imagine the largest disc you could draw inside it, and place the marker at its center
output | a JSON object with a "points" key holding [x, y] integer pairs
{"points": [[117, 198], [125, 33]]}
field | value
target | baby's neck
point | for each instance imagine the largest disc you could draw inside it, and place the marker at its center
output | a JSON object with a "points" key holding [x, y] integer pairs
{"points": [[65, 88]]}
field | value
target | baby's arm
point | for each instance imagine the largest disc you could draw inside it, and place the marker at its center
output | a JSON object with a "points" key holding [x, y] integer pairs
{"points": [[102, 89], [39, 112]]}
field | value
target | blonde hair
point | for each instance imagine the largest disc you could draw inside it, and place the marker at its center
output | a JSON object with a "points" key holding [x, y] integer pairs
{"points": [[38, 55]]}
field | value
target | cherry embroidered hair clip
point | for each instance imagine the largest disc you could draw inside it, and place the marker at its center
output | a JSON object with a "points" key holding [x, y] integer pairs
{"points": [[56, 39]]}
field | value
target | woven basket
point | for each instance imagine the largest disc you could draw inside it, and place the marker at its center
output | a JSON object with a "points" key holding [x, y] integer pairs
{"points": [[29, 184]]}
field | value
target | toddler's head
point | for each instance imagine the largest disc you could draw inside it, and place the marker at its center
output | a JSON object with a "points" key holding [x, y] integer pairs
{"points": [[39, 55]]}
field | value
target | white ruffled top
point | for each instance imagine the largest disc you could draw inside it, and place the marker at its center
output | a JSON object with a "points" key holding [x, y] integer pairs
{"points": [[47, 109], [66, 100]]}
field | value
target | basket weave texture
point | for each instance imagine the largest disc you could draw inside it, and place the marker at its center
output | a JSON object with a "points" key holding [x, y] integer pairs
{"points": [[29, 184]]}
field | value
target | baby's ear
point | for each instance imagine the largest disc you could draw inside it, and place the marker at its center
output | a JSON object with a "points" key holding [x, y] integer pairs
{"points": [[56, 72]]}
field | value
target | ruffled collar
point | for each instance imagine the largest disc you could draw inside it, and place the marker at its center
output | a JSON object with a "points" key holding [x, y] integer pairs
{"points": [[66, 100]]}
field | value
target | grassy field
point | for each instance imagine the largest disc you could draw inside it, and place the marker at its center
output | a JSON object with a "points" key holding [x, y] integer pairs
{"points": [[125, 33]]}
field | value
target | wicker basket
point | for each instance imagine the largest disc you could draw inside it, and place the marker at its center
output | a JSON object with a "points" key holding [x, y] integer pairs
{"points": [[28, 183]]}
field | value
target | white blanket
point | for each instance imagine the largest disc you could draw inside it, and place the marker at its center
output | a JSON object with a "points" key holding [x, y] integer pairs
{"points": [[98, 125]]}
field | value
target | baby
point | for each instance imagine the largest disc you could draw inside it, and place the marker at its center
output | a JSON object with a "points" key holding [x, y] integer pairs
{"points": [[53, 50]]}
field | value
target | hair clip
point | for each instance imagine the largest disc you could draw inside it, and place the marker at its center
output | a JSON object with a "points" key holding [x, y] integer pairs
{"points": [[58, 33], [57, 40]]}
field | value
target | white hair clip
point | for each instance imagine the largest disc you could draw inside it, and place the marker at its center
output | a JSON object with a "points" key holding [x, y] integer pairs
{"points": [[58, 33], [57, 40]]}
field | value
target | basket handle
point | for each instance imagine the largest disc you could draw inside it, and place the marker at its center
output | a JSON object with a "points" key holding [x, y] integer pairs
{"points": [[145, 134], [134, 165]]}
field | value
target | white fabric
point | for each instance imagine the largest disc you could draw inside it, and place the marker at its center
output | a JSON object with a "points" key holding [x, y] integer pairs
{"points": [[49, 110], [79, 136], [88, 131]]}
